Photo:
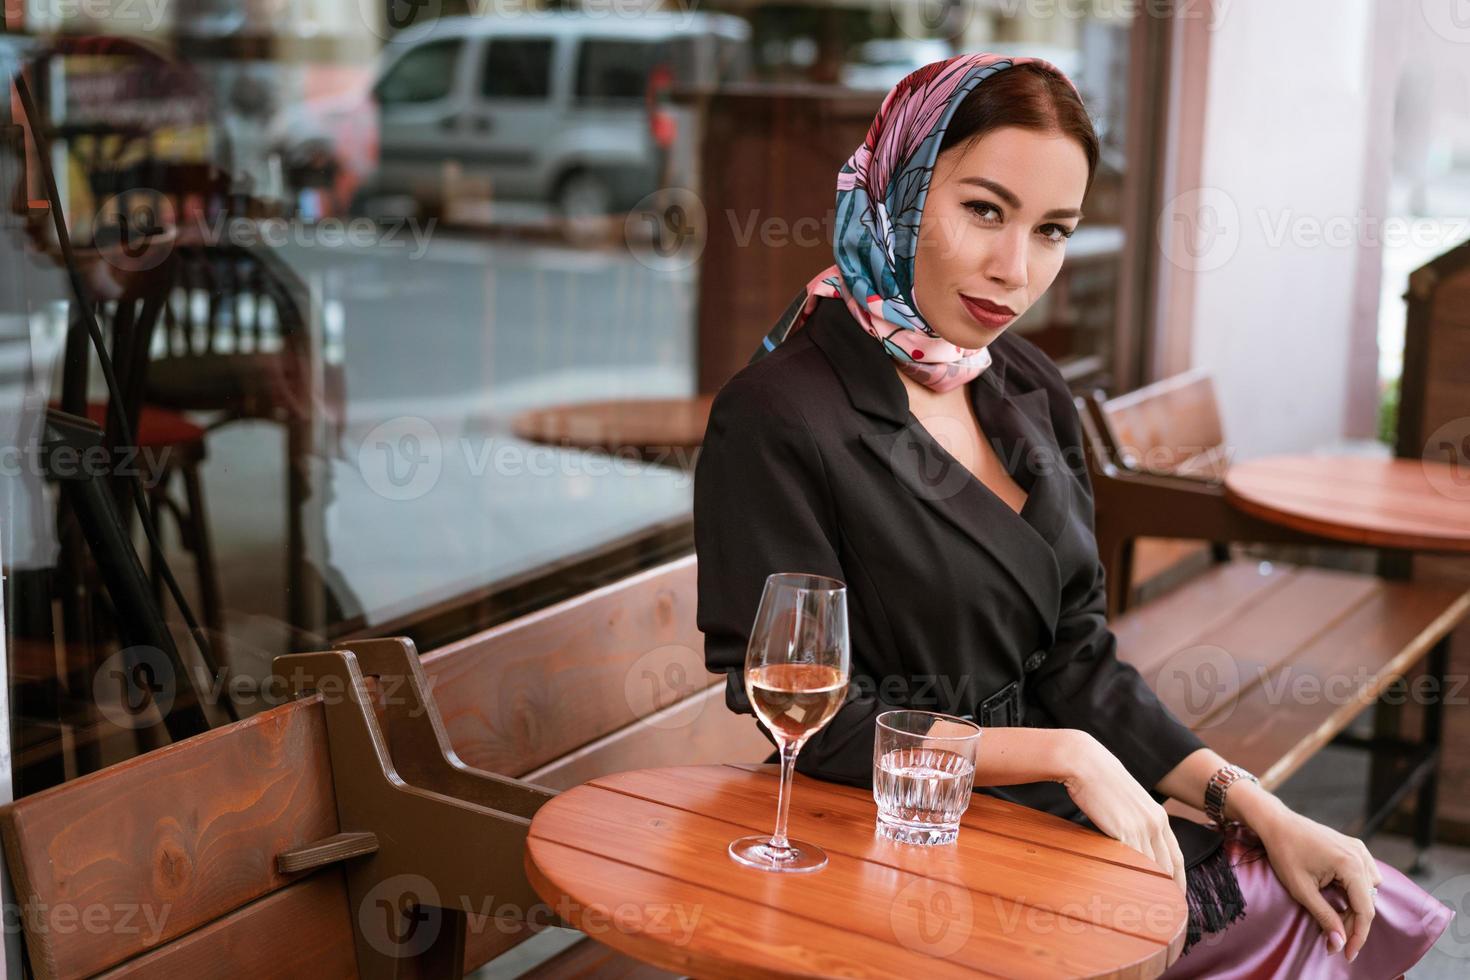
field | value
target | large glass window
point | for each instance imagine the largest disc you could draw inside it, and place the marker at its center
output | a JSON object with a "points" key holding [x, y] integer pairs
{"points": [[388, 353]]}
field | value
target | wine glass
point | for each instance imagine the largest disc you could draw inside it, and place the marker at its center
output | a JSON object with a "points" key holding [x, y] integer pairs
{"points": [[796, 674]]}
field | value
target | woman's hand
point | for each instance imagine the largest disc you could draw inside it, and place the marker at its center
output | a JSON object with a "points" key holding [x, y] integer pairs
{"points": [[1118, 805], [1308, 857]]}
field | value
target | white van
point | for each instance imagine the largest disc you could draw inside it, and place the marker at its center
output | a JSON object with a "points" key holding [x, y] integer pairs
{"points": [[546, 107]]}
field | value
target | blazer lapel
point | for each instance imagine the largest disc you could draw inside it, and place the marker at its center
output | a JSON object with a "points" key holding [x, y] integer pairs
{"points": [[927, 470], [1018, 426]]}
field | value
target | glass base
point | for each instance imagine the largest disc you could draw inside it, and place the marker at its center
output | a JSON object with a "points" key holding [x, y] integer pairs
{"points": [[757, 852], [908, 833]]}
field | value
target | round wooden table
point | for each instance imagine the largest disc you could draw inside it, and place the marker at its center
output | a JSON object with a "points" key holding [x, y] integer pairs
{"points": [[637, 860], [660, 430], [1415, 505]]}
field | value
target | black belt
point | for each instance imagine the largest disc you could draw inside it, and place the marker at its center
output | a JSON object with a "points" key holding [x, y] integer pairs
{"points": [[1006, 708]]}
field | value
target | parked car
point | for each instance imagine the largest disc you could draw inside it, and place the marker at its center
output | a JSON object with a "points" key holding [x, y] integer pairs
{"points": [[557, 108]]}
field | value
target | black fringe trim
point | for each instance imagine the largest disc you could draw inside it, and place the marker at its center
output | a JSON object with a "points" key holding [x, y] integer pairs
{"points": [[1214, 896]]}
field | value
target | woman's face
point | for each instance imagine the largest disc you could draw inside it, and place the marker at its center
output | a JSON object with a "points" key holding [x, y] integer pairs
{"points": [[994, 230]]}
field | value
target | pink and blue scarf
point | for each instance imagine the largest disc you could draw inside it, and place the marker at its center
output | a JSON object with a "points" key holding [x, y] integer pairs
{"points": [[880, 198]]}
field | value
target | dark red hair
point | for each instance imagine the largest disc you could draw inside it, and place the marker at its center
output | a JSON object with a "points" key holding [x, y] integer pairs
{"points": [[1028, 97]]}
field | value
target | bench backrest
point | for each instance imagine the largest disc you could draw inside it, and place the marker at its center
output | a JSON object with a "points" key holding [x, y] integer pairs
{"points": [[153, 863], [609, 680], [1171, 426]]}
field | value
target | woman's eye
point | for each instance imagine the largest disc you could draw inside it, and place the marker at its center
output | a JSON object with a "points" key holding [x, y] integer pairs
{"points": [[990, 214], [981, 209]]}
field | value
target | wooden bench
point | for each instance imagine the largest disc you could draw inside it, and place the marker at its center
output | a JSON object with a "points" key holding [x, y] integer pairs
{"points": [[1266, 661], [194, 834]]}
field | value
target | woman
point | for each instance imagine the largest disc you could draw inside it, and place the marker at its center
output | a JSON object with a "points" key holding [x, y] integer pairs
{"points": [[901, 440]]}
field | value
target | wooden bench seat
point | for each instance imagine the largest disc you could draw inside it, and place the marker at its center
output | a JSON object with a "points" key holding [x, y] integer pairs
{"points": [[1268, 662]]}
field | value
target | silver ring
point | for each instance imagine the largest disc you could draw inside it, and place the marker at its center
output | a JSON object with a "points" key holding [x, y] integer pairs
{"points": [[1372, 891]]}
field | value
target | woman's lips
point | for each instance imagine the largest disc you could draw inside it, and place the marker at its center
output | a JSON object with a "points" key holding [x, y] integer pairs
{"points": [[986, 313]]}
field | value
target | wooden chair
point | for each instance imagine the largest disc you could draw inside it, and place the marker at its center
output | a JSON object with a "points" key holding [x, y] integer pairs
{"points": [[1165, 445], [237, 343]]}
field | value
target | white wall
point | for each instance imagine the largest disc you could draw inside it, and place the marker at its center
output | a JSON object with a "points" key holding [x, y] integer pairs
{"points": [[1288, 108]]}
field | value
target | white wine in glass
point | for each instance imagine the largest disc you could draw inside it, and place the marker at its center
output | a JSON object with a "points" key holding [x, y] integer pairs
{"points": [[797, 666]]}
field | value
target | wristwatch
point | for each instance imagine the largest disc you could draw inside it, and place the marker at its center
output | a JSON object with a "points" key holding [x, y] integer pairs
{"points": [[1216, 787]]}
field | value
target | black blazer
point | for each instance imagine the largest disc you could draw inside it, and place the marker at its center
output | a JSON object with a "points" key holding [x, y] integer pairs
{"points": [[813, 463]]}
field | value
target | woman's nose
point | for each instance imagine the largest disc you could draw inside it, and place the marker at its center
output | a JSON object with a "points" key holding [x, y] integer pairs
{"points": [[1005, 264]]}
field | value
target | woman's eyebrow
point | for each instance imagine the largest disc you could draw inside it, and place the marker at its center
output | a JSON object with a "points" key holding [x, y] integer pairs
{"points": [[1014, 201]]}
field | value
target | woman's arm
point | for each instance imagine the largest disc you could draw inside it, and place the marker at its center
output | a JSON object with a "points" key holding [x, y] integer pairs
{"points": [[1305, 855], [762, 505]]}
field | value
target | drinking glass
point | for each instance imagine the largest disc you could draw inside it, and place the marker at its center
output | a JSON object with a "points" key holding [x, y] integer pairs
{"points": [[796, 672], [923, 772]]}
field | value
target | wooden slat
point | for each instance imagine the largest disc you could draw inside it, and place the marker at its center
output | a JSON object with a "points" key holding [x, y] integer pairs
{"points": [[696, 730], [986, 814], [1288, 713], [519, 695], [1209, 670], [1151, 632], [187, 833], [303, 930], [733, 930]]}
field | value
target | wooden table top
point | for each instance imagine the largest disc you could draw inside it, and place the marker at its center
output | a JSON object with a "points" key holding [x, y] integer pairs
{"points": [[1412, 504], [645, 424], [638, 861]]}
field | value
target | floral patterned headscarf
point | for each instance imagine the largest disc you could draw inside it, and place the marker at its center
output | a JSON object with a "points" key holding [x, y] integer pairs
{"points": [[880, 198]]}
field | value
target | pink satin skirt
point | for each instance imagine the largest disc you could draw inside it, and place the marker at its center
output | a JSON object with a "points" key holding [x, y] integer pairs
{"points": [[1277, 936]]}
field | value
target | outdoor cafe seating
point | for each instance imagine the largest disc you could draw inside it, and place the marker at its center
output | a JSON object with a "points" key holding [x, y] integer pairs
{"points": [[311, 671]]}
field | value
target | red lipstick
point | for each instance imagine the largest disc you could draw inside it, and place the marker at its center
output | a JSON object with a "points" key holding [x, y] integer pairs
{"points": [[986, 313]]}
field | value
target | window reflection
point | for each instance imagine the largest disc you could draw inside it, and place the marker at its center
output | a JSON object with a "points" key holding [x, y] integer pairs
{"points": [[384, 291]]}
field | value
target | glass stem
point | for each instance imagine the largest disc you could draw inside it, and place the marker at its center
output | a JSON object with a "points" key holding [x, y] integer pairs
{"points": [[783, 800]]}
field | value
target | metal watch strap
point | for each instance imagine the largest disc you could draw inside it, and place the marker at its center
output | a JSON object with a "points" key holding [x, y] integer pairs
{"points": [[1216, 788]]}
